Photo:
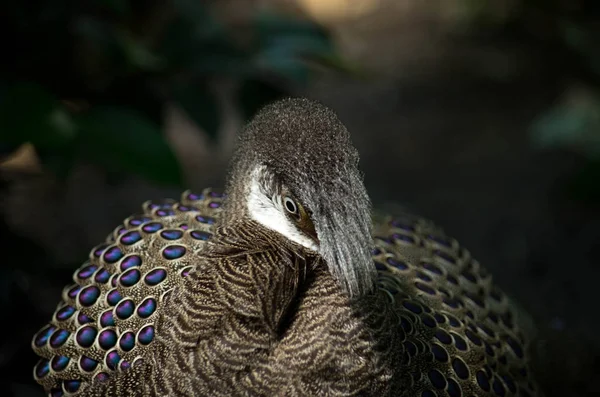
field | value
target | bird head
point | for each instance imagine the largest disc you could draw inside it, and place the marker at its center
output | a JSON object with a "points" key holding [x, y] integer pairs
{"points": [[295, 171]]}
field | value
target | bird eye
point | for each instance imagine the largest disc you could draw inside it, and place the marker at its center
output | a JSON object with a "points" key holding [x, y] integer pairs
{"points": [[290, 205]]}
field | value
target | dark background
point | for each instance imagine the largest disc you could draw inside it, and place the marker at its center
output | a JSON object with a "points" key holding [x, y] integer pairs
{"points": [[483, 116]]}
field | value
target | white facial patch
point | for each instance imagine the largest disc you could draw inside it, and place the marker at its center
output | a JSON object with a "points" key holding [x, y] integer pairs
{"points": [[268, 211]]}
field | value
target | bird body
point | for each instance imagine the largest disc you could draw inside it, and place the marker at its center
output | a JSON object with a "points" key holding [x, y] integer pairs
{"points": [[283, 287]]}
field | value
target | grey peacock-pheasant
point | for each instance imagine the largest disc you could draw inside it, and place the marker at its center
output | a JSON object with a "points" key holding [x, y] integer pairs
{"points": [[283, 286]]}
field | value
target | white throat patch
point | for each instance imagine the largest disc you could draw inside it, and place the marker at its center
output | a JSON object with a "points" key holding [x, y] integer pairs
{"points": [[268, 211]]}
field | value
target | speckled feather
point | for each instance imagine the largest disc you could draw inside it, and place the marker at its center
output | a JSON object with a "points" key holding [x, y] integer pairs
{"points": [[239, 310]]}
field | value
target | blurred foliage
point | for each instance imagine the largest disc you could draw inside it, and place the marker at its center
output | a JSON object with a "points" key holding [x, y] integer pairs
{"points": [[566, 35], [90, 79]]}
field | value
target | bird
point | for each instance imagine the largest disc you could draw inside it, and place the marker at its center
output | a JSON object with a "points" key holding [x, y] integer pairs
{"points": [[284, 283]]}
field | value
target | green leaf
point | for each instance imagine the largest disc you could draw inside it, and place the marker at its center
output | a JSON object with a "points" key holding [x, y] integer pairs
{"points": [[122, 139], [138, 55], [200, 105], [574, 125], [29, 113], [254, 94]]}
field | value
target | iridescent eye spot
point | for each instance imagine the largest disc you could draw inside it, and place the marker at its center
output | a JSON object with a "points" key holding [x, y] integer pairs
{"points": [[87, 364], [439, 318], [451, 302], [475, 299], [124, 365], [184, 226], [486, 329], [451, 279], [55, 392], [42, 336], [199, 235], [112, 255], [155, 277], [101, 377], [127, 341], [413, 307], [59, 338], [432, 268], [459, 342], [97, 252], [111, 359], [86, 272], [216, 194], [443, 336], [130, 238], [171, 234], [473, 337], [514, 345], [163, 213], [206, 219], [65, 313], [73, 291], [437, 379], [83, 319], [172, 252], [445, 256], [183, 208], [403, 238], [42, 368], [440, 240], [194, 196], [146, 308], [453, 321], [121, 230], [152, 227], [397, 264], [453, 389], [88, 295], [102, 276], [214, 204], [439, 353], [125, 309], [107, 339], [469, 276], [498, 387], [428, 320], [509, 383], [146, 335], [384, 239], [71, 386], [107, 319], [59, 363], [380, 266], [86, 336], [424, 277], [130, 261], [460, 368], [425, 288], [113, 297], [482, 380], [428, 393], [402, 225], [130, 278], [186, 271]]}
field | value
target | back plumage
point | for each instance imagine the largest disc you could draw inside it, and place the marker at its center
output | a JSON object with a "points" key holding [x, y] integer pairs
{"points": [[189, 299], [105, 321]]}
